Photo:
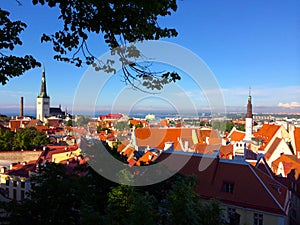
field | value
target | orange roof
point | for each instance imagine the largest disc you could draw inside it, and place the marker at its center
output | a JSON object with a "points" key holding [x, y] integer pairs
{"points": [[128, 152], [147, 158], [226, 150], [297, 138], [135, 122], [265, 194], [164, 123], [156, 137], [237, 136], [266, 132], [14, 124], [205, 149], [121, 147], [204, 133], [289, 162]]}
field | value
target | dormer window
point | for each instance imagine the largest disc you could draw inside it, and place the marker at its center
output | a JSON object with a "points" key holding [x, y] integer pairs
{"points": [[228, 187]]}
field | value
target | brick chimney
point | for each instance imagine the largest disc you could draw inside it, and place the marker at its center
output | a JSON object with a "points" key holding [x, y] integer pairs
{"points": [[21, 106]]}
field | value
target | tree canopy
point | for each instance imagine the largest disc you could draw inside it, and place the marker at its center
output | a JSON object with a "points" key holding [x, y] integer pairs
{"points": [[59, 197], [118, 23], [26, 138]]}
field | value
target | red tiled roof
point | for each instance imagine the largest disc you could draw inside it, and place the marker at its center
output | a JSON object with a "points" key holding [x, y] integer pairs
{"points": [[14, 124], [128, 152], [131, 162], [121, 147], [156, 137], [266, 132], [237, 136], [164, 123], [204, 133], [289, 162], [147, 158], [21, 170], [226, 151], [251, 187], [205, 148]]}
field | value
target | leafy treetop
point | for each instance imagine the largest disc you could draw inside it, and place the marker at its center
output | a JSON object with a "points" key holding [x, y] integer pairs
{"points": [[118, 22]]}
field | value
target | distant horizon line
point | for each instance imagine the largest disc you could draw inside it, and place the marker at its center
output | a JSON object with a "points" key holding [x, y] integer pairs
{"points": [[229, 110]]}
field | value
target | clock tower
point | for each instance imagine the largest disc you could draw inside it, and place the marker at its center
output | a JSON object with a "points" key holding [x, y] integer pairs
{"points": [[43, 100]]}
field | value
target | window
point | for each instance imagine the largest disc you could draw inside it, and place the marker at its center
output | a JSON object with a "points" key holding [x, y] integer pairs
{"points": [[228, 187], [7, 182], [15, 183], [22, 184], [258, 219]]}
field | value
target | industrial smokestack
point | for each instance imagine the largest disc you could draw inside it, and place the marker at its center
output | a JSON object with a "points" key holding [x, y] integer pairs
{"points": [[21, 107]]}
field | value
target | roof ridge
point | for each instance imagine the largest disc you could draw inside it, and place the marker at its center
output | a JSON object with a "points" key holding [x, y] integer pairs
{"points": [[267, 189]]}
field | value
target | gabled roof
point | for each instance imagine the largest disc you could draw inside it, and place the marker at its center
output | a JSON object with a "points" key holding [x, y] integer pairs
{"points": [[289, 163], [204, 133], [266, 132], [237, 136], [250, 188], [147, 158], [226, 150]]}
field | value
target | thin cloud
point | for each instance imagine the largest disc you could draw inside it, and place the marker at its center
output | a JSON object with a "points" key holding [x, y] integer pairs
{"points": [[289, 105]]}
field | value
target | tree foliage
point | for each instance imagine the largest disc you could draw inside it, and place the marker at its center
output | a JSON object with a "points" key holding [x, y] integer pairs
{"points": [[6, 140], [28, 139], [62, 198], [118, 23], [11, 65]]}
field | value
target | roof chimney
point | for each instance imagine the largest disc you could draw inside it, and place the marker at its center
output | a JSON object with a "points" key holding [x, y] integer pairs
{"points": [[21, 106]]}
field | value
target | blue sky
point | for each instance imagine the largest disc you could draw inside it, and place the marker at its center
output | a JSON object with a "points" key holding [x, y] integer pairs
{"points": [[244, 43]]}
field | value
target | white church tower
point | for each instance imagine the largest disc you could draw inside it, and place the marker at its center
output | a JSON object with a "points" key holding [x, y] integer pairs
{"points": [[43, 100], [249, 119]]}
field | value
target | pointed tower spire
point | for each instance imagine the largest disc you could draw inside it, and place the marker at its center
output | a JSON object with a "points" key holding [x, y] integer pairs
{"points": [[249, 106], [249, 119], [43, 92]]}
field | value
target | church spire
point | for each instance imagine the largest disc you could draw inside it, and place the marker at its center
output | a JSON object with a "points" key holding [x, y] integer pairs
{"points": [[249, 119], [43, 92], [249, 105]]}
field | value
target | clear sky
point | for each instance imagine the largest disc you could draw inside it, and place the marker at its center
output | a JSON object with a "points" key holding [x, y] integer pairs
{"points": [[245, 43]]}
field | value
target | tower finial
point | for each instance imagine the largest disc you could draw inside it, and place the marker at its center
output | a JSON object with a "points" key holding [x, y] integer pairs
{"points": [[249, 90]]}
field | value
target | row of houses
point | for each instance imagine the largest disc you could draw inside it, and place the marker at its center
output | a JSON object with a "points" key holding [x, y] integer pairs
{"points": [[269, 161]]}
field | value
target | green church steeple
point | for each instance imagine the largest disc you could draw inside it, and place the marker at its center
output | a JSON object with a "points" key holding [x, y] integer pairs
{"points": [[43, 92]]}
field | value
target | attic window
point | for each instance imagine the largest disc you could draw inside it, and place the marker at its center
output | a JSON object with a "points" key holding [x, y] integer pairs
{"points": [[228, 187]]}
